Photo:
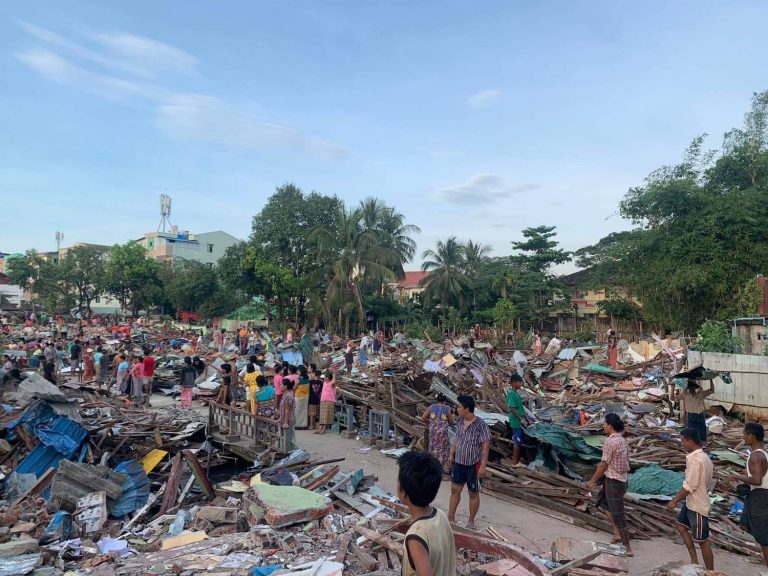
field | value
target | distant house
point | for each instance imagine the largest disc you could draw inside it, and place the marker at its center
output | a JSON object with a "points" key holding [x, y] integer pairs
{"points": [[208, 247], [585, 296], [409, 287]]}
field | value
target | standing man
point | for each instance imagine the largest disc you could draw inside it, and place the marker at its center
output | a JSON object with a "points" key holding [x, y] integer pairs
{"points": [[754, 519], [468, 458], [516, 417], [693, 519], [692, 406], [614, 467], [75, 354]]}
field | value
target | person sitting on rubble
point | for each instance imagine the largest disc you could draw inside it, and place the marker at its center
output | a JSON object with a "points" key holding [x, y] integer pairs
{"points": [[429, 548], [692, 407]]}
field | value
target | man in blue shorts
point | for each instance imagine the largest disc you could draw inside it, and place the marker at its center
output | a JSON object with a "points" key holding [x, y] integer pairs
{"points": [[693, 518], [468, 458]]}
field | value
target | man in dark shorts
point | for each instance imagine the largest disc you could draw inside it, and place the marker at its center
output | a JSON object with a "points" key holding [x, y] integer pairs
{"points": [[468, 458], [755, 517], [693, 518], [613, 469]]}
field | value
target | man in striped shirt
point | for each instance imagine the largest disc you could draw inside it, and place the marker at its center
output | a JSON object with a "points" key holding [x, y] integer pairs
{"points": [[614, 467], [468, 458]]}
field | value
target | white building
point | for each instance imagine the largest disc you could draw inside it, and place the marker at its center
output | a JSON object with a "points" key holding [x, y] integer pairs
{"points": [[207, 248]]}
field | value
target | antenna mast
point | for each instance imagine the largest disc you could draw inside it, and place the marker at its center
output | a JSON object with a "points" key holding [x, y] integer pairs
{"points": [[165, 212]]}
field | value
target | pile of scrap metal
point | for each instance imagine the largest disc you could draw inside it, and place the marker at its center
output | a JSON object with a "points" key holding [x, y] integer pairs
{"points": [[75, 464]]}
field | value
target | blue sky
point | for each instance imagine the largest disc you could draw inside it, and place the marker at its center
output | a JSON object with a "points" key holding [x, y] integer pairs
{"points": [[474, 119]]}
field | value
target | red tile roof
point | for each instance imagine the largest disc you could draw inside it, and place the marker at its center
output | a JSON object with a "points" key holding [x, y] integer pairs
{"points": [[412, 280]]}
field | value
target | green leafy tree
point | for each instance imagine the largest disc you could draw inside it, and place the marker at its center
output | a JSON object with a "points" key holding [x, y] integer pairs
{"points": [[22, 271], [700, 233], [188, 284], [85, 269], [447, 281], [504, 313], [714, 336], [475, 256], [355, 253], [536, 290], [132, 277]]}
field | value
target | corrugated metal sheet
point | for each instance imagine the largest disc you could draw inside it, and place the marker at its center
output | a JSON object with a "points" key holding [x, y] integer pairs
{"points": [[135, 489], [60, 438], [749, 391], [40, 460]]}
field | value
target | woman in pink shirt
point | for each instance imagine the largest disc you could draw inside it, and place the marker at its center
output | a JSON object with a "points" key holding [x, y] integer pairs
{"points": [[327, 402]]}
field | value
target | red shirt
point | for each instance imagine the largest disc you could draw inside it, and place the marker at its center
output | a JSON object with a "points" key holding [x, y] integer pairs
{"points": [[149, 366]]}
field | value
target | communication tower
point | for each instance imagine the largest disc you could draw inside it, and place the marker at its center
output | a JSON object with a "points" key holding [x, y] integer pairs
{"points": [[165, 212]]}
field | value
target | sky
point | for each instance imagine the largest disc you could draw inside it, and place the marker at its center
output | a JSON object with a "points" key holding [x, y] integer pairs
{"points": [[475, 120]]}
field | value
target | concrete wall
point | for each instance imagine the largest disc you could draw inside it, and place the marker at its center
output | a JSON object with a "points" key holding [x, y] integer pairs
{"points": [[749, 391], [754, 337]]}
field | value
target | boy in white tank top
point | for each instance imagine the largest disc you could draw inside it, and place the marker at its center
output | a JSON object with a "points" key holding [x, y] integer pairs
{"points": [[429, 548]]}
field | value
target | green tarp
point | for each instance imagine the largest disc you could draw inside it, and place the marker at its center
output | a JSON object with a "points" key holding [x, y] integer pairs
{"points": [[569, 444], [653, 480]]}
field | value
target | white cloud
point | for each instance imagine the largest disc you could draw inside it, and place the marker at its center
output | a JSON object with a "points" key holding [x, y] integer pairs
{"points": [[482, 189], [120, 52], [483, 98], [160, 56], [196, 117], [53, 66], [207, 119]]}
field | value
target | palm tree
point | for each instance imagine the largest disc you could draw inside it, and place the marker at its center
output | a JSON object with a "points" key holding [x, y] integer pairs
{"points": [[357, 253], [447, 281], [475, 255], [391, 231]]}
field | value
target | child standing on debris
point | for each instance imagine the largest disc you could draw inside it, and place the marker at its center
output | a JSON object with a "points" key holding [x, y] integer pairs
{"points": [[252, 387], [277, 382], [187, 383], [327, 402], [287, 414], [313, 405], [349, 356], [429, 548]]}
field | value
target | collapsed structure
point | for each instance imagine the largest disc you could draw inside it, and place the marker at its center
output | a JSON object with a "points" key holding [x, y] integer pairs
{"points": [[96, 485]]}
